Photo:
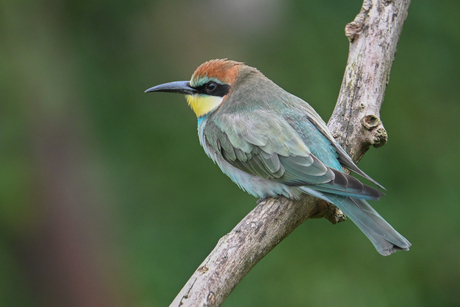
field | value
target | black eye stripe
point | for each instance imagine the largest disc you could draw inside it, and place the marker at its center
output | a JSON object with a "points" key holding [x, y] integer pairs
{"points": [[214, 89]]}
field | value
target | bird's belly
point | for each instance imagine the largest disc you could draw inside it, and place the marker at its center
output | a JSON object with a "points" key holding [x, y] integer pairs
{"points": [[255, 185]]}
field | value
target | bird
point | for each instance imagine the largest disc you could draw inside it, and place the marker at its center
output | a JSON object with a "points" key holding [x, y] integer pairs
{"points": [[271, 143]]}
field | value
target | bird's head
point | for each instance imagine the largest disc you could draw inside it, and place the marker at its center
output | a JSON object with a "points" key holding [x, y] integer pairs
{"points": [[208, 88]]}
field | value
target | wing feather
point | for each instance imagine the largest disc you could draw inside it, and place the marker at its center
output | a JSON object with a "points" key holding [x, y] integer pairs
{"points": [[274, 150]]}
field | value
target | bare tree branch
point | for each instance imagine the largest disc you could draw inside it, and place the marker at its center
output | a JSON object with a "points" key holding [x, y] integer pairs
{"points": [[355, 123], [238, 251], [373, 36]]}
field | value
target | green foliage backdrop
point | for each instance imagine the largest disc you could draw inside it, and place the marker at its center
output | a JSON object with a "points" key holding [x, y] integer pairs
{"points": [[107, 199]]}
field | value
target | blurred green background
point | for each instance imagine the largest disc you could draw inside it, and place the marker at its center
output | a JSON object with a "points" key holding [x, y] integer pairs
{"points": [[107, 198]]}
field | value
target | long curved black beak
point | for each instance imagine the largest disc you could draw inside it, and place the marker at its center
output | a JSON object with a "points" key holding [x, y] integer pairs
{"points": [[181, 87]]}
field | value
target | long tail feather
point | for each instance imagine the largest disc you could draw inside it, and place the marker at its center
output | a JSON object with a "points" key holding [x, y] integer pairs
{"points": [[384, 237]]}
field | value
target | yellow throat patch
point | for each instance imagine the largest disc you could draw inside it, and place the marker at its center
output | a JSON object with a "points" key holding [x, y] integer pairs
{"points": [[202, 104]]}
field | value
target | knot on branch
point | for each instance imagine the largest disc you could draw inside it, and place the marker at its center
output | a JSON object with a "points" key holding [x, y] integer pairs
{"points": [[329, 212], [210, 299], [202, 269], [352, 30], [370, 122], [379, 135]]}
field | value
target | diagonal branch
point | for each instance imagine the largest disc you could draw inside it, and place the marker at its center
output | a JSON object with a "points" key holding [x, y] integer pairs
{"points": [[355, 123], [236, 253]]}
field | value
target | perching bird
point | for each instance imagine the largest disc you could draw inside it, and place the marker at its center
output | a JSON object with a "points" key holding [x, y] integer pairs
{"points": [[270, 142]]}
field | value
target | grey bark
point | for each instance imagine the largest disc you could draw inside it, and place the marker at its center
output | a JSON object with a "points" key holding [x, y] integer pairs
{"points": [[356, 125]]}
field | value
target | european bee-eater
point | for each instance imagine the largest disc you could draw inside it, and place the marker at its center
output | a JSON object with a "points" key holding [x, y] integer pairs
{"points": [[270, 142]]}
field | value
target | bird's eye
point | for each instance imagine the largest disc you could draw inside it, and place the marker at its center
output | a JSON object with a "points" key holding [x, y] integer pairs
{"points": [[211, 87]]}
